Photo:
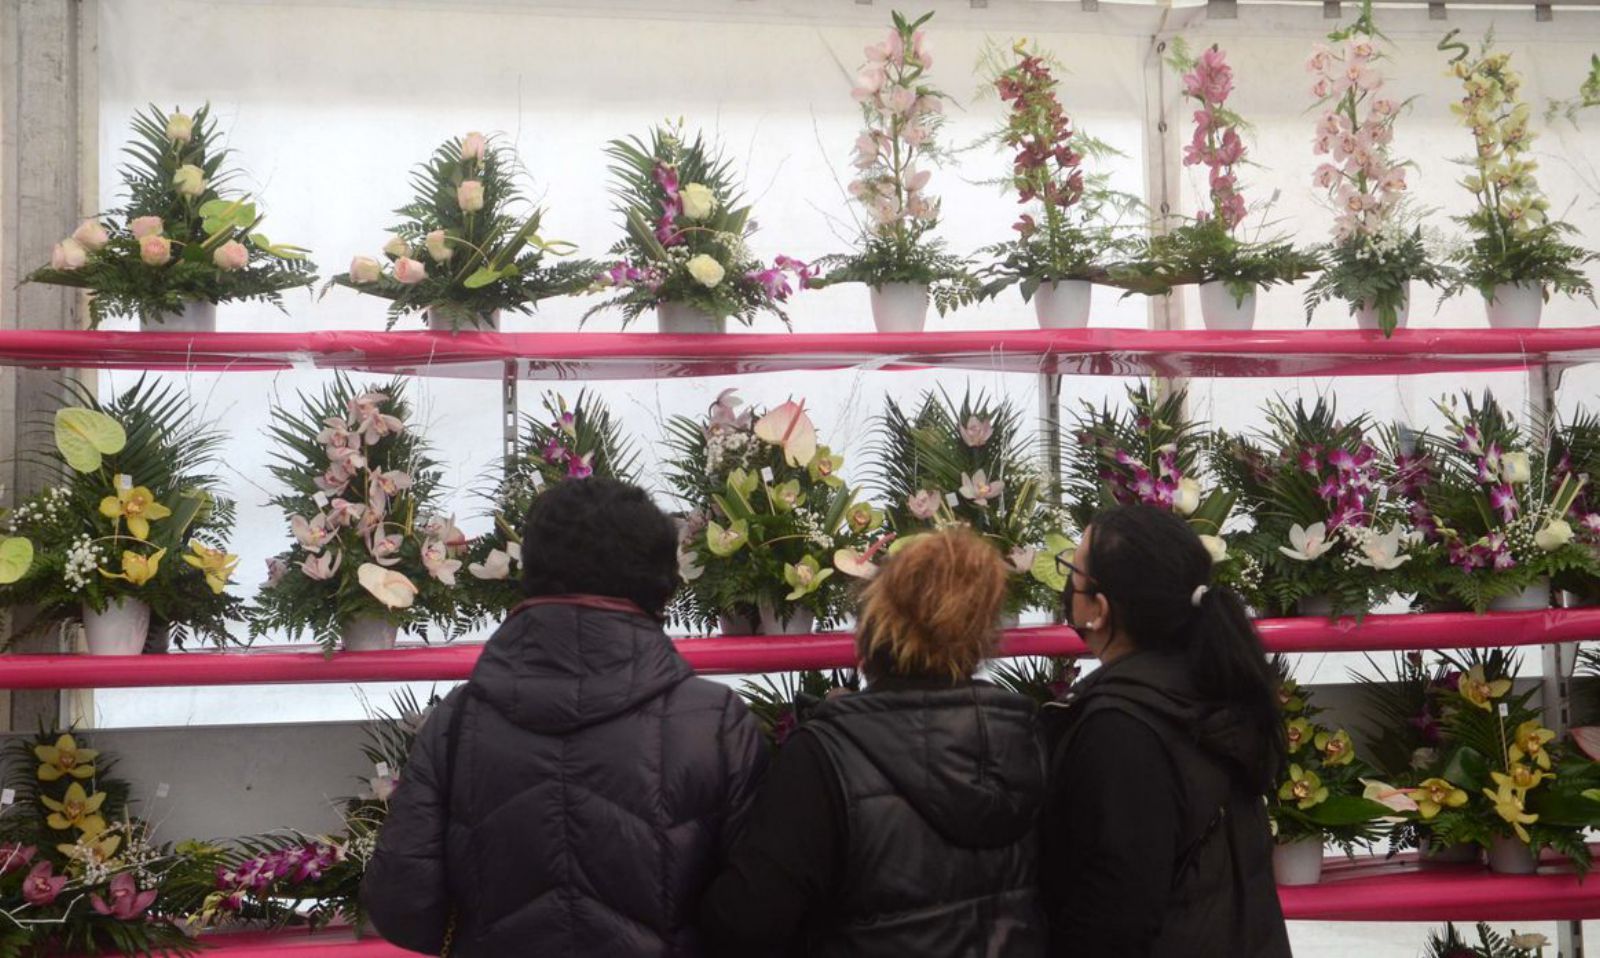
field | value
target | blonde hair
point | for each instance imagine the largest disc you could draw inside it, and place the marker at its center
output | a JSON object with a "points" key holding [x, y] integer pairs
{"points": [[933, 609]]}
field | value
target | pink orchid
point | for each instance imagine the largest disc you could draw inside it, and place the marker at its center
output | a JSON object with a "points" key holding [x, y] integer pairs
{"points": [[927, 104], [14, 857], [1320, 59], [869, 82], [920, 51], [725, 411], [322, 568], [42, 886], [276, 570], [916, 134], [666, 177], [917, 180], [444, 529], [924, 504], [977, 432], [867, 150], [370, 422], [979, 489], [127, 901], [1385, 107], [385, 547], [343, 512], [581, 467], [1327, 176], [436, 559], [383, 486], [902, 99], [337, 434], [312, 534]]}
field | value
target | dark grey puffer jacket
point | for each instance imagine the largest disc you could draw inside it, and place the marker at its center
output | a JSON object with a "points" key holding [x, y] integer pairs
{"points": [[597, 785]]}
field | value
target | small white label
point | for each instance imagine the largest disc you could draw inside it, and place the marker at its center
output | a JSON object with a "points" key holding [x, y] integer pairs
{"points": [[382, 769], [538, 480], [321, 499], [952, 500], [163, 790], [1505, 710], [766, 473], [8, 796], [124, 481]]}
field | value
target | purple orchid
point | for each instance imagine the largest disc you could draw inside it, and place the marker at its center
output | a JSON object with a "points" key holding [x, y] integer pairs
{"points": [[554, 452], [667, 178], [580, 467], [1503, 498], [1471, 441]]}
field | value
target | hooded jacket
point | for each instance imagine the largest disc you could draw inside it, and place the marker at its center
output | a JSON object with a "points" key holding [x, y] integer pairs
{"points": [[1156, 838], [574, 798]]}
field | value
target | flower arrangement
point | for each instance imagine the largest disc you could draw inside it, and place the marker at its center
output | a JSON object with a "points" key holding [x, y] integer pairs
{"points": [[969, 463], [1373, 257], [1068, 232], [686, 235], [1513, 240], [359, 492], [1491, 944], [1208, 249], [1483, 497], [1044, 679], [1575, 452], [573, 442], [782, 703], [183, 237], [1325, 528], [1149, 452], [137, 519], [770, 522], [463, 252], [902, 113], [78, 873]]}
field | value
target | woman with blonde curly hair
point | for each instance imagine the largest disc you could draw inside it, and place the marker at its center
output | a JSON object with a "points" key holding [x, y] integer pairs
{"points": [[900, 820]]}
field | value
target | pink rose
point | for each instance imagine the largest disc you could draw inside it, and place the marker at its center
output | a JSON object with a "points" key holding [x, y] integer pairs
{"points": [[67, 256], [472, 146], [231, 256], [155, 250], [469, 196], [91, 235], [142, 226], [409, 271]]}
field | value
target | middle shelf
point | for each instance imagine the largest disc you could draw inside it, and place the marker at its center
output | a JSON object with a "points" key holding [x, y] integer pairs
{"points": [[731, 655]]}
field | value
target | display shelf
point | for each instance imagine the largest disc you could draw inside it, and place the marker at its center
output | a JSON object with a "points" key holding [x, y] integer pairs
{"points": [[1401, 890], [597, 356], [735, 655]]}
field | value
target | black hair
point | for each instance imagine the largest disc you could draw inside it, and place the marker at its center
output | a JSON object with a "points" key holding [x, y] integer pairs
{"points": [[1149, 564], [598, 536]]}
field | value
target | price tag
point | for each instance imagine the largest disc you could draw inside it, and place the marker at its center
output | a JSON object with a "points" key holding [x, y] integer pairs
{"points": [[163, 790], [952, 500], [1505, 710], [382, 769], [8, 796], [124, 482], [538, 480], [321, 499], [766, 473]]}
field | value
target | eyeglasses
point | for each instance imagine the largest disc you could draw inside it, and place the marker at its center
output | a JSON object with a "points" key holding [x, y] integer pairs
{"points": [[1066, 567]]}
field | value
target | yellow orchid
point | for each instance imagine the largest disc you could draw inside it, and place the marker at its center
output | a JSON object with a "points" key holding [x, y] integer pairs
{"points": [[92, 849], [1508, 805], [137, 506], [1529, 743], [77, 809], [137, 569], [217, 565], [1478, 690], [1336, 748], [1303, 788], [1435, 795], [1298, 732], [1521, 777], [64, 758]]}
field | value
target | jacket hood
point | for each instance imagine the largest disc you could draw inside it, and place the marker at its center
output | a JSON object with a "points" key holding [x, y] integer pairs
{"points": [[968, 759], [562, 665]]}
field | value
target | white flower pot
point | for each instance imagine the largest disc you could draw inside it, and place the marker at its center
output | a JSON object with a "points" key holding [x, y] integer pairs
{"points": [[799, 622], [900, 307], [369, 635], [1516, 306], [683, 319], [1298, 862], [1367, 314], [439, 321], [120, 630], [1535, 598], [1064, 304], [1219, 310], [198, 316], [1315, 606], [1510, 856]]}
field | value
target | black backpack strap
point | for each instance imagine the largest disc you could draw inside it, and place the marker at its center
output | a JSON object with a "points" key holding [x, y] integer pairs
{"points": [[452, 745]]}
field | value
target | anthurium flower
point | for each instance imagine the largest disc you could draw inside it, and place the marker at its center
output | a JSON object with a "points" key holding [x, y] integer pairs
{"points": [[137, 507], [979, 489], [217, 565], [1336, 748], [1529, 742], [1309, 543], [138, 569], [1435, 795], [1587, 738], [786, 497], [495, 566], [77, 809], [124, 901], [788, 426], [1478, 690], [1397, 799], [1508, 805], [724, 542], [804, 577], [389, 587], [1298, 732], [689, 567], [63, 759], [1304, 788], [825, 467], [854, 564]]}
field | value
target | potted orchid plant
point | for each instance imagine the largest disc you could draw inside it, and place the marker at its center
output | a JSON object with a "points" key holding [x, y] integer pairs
{"points": [[685, 253], [184, 242], [1329, 540], [898, 258], [370, 554], [1209, 249], [1374, 257], [1068, 234], [969, 463], [567, 443], [1516, 255], [464, 252], [133, 540], [773, 534]]}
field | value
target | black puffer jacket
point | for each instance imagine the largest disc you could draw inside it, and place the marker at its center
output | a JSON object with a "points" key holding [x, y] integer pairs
{"points": [[596, 786]]}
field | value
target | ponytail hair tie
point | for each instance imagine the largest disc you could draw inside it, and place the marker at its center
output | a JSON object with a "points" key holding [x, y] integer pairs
{"points": [[1199, 593]]}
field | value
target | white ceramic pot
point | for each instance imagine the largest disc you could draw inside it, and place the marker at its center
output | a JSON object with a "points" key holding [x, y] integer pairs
{"points": [[197, 316], [1315, 606], [1535, 598], [1064, 304], [120, 630], [1219, 310], [370, 635], [900, 307], [683, 319], [1367, 315], [1298, 862], [1509, 856], [439, 321], [1516, 306], [799, 622]]}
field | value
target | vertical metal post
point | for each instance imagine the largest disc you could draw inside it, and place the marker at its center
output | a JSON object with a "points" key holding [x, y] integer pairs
{"points": [[509, 436]]}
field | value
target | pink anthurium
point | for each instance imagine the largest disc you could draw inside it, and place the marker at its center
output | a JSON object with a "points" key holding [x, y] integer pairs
{"points": [[789, 426], [1587, 738]]}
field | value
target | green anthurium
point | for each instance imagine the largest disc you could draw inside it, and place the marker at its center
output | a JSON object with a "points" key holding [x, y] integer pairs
{"points": [[84, 436], [804, 577], [1045, 570], [481, 277], [725, 541], [16, 558], [217, 216], [279, 250], [786, 497]]}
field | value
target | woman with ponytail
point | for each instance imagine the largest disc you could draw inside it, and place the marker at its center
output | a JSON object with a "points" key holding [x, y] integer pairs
{"points": [[1155, 837]]}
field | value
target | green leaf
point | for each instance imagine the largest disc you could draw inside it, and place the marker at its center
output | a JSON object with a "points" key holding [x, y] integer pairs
{"points": [[1341, 810], [1045, 569]]}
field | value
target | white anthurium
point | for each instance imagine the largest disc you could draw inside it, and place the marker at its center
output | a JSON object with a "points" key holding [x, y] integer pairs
{"points": [[389, 587], [1309, 543], [1382, 552]]}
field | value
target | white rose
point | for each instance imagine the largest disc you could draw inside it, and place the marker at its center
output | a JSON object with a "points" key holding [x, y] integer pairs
{"points": [[91, 234], [1553, 536], [364, 269], [190, 180], [68, 256], [1515, 469], [1217, 546], [438, 249], [396, 248], [1187, 498], [180, 128], [706, 271], [698, 201]]}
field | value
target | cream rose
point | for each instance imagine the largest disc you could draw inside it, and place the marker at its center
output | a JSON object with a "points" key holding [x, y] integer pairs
{"points": [[190, 180], [1216, 546], [1515, 468], [364, 270], [469, 196], [409, 271], [472, 146], [706, 271], [698, 201], [231, 256], [142, 226], [68, 256], [1187, 499], [396, 248], [91, 235], [1553, 536], [180, 128], [438, 249], [155, 250]]}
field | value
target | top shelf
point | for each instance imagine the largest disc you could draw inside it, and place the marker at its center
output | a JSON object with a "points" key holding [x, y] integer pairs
{"points": [[602, 356]]}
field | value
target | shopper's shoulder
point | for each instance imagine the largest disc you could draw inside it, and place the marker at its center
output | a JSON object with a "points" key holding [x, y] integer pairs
{"points": [[695, 694]]}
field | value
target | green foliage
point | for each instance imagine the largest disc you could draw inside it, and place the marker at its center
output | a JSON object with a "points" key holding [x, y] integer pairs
{"points": [[1042, 679], [1491, 944], [905, 257], [1205, 251], [1540, 256], [1376, 271], [1321, 793], [781, 703]]}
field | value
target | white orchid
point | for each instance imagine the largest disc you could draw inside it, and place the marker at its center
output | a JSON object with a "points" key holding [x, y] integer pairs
{"points": [[436, 559], [979, 489], [1021, 559], [1309, 544], [312, 534], [1383, 552]]}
